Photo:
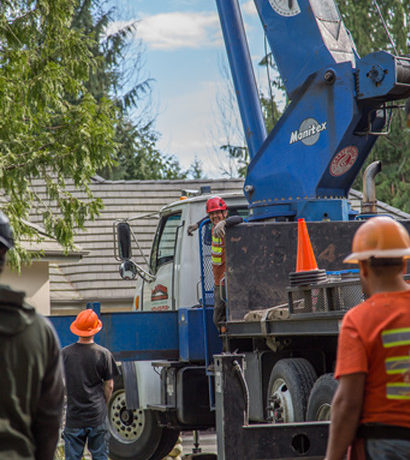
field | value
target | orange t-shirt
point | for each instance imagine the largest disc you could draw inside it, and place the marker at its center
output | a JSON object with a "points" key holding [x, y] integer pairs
{"points": [[375, 339]]}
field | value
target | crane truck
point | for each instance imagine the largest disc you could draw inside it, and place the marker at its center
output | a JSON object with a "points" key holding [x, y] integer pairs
{"points": [[269, 394]]}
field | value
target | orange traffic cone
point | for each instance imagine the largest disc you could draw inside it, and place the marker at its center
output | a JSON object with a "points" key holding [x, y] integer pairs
{"points": [[305, 258]]}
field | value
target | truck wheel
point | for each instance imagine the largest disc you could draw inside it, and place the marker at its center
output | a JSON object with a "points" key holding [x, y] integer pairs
{"points": [[133, 433], [288, 391], [320, 398], [168, 440]]}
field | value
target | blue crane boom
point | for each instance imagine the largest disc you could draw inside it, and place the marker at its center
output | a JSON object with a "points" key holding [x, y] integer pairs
{"points": [[307, 164]]}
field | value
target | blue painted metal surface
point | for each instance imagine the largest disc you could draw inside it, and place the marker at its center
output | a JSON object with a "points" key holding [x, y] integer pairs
{"points": [[131, 336], [135, 336], [198, 340], [309, 161], [242, 74], [379, 76], [304, 36], [312, 156]]}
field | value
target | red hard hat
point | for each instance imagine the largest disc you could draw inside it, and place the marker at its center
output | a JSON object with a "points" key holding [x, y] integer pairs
{"points": [[86, 324], [215, 203]]}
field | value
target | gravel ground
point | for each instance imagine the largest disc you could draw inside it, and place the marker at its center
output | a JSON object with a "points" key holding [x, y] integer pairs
{"points": [[207, 443]]}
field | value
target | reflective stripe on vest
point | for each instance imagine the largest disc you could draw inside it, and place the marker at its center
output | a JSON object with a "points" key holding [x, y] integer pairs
{"points": [[398, 390], [397, 365], [396, 337], [216, 250]]}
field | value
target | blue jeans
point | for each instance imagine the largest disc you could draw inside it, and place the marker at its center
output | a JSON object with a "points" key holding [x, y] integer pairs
{"points": [[387, 449], [75, 438]]}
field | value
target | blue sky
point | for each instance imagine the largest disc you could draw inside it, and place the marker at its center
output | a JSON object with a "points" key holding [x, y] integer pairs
{"points": [[185, 56]]}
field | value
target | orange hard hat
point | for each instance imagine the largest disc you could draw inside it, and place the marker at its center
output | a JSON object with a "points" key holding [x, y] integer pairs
{"points": [[380, 237], [215, 203], [86, 324]]}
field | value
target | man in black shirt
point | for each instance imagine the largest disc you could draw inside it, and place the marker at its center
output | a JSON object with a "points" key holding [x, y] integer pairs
{"points": [[89, 370], [31, 377]]}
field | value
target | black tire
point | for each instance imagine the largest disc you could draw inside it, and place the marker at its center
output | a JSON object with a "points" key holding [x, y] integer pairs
{"points": [[289, 387], [320, 398], [133, 434], [168, 440]]}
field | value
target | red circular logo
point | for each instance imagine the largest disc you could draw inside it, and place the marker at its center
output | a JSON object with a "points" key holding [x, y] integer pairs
{"points": [[344, 160]]}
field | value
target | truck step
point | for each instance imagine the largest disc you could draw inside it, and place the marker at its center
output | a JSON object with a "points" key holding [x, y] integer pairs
{"points": [[161, 407]]}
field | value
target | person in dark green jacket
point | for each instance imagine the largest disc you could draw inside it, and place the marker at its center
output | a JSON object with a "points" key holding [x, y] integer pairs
{"points": [[31, 376]]}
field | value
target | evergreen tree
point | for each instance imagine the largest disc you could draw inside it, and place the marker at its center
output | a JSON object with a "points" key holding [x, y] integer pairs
{"points": [[51, 127], [361, 18], [195, 170], [116, 76], [240, 153]]}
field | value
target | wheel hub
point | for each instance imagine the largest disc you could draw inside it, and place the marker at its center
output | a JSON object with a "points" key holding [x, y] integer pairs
{"points": [[126, 425], [323, 414], [280, 405], [126, 416]]}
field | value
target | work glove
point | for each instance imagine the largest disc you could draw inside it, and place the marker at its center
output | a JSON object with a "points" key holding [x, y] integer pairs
{"points": [[219, 230], [191, 228]]}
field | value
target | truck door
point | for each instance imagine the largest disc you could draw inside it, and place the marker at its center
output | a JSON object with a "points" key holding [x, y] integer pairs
{"points": [[159, 294]]}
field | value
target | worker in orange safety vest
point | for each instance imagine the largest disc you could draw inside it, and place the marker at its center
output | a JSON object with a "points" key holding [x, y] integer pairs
{"points": [[371, 406]]}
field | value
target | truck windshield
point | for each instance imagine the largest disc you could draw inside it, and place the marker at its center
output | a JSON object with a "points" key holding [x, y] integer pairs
{"points": [[164, 244]]}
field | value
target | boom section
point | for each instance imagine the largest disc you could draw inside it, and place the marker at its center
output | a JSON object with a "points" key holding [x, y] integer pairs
{"points": [[307, 164]]}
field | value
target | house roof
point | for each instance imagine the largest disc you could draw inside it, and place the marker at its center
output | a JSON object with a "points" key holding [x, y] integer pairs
{"points": [[44, 245], [96, 277], [50, 249]]}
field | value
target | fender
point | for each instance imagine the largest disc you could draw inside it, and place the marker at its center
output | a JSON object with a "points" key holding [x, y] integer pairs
{"points": [[141, 383]]}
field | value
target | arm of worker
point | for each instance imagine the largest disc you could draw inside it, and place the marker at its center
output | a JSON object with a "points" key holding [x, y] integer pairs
{"points": [[111, 371], [47, 418], [346, 409], [229, 222], [193, 227], [108, 389]]}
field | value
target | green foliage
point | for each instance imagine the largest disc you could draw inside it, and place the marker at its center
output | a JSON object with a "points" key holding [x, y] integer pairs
{"points": [[392, 183], [138, 157], [240, 154], [51, 127], [270, 111], [195, 170], [363, 21], [116, 76], [361, 18]]}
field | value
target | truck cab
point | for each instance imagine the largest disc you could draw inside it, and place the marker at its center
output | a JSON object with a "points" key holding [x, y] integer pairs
{"points": [[178, 276], [174, 262]]}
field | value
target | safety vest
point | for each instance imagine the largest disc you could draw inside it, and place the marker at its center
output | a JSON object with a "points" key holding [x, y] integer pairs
{"points": [[394, 339], [218, 259], [217, 250]]}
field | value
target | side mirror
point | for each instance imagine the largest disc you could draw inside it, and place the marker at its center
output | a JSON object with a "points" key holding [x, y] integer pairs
{"points": [[128, 270], [122, 249], [124, 241]]}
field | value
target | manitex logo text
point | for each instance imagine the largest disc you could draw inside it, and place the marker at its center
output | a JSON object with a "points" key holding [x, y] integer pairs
{"points": [[308, 132]]}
